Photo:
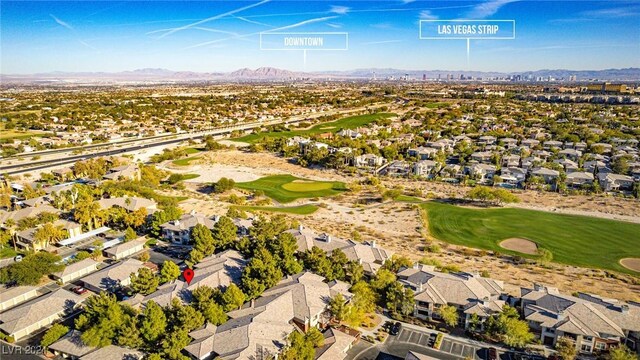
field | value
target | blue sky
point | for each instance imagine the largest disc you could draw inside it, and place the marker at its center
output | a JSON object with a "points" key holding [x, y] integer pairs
{"points": [[210, 36]]}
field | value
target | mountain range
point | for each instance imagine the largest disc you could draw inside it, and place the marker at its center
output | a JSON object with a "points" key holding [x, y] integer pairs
{"points": [[274, 74]]}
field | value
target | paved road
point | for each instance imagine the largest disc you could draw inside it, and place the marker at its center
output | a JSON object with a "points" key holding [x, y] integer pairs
{"points": [[12, 169]]}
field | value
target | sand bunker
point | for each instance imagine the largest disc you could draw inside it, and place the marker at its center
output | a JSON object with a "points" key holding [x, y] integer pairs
{"points": [[631, 263], [520, 245]]}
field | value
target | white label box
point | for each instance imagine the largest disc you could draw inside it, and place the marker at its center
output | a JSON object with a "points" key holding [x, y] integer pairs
{"points": [[314, 41], [467, 29]]}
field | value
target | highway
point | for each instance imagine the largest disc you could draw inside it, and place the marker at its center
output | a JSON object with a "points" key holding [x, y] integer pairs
{"points": [[138, 144]]}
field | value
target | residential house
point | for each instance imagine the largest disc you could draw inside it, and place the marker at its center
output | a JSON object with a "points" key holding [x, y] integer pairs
{"points": [[579, 178], [25, 319], [76, 270], [14, 295], [426, 168], [513, 175], [112, 277], [511, 161], [26, 238], [572, 154], [27, 212], [179, 231], [468, 293], [368, 160], [368, 254], [423, 153], [125, 172], [550, 176], [336, 345], [310, 297], [125, 249], [482, 156], [397, 168], [596, 165], [218, 270], [568, 165], [594, 323], [70, 346], [552, 144], [482, 172], [259, 329], [615, 182], [349, 133], [113, 352]]}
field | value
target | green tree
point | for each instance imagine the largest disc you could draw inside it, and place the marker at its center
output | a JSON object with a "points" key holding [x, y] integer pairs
{"points": [[621, 352], [338, 307], [130, 234], [232, 298], [515, 332], [49, 234], [224, 233], [315, 337], [299, 348], [173, 343], [144, 282], [545, 256], [169, 271], [202, 240], [399, 299], [261, 273], [185, 316], [396, 263], [53, 334], [129, 333], [154, 323], [364, 298], [31, 269], [101, 320], [214, 313], [354, 271], [449, 315], [566, 348]]}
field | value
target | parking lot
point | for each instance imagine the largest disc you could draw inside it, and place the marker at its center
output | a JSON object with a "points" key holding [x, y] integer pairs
{"points": [[448, 345]]}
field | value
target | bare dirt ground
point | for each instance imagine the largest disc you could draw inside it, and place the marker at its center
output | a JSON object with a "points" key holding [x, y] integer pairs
{"points": [[520, 245], [631, 263], [398, 227]]}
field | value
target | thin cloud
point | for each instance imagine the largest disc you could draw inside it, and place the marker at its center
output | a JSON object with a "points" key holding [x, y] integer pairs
{"points": [[87, 45], [487, 9], [613, 13], [64, 24], [407, 1], [427, 15], [335, 26], [212, 18], [252, 21], [382, 42], [342, 10], [287, 27]]}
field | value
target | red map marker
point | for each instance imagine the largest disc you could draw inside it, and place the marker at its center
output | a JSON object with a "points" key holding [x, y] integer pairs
{"points": [[188, 275]]}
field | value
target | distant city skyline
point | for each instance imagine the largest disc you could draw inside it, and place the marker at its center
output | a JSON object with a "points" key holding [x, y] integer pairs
{"points": [[217, 36]]}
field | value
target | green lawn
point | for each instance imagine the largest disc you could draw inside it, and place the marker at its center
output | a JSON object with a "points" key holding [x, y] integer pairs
{"points": [[298, 210], [350, 122], [575, 240], [190, 151], [185, 161], [287, 188], [408, 199]]}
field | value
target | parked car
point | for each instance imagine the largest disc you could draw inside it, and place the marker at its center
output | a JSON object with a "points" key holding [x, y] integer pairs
{"points": [[395, 329], [79, 290]]}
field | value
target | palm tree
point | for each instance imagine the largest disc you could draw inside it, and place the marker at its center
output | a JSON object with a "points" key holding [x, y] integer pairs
{"points": [[48, 234]]}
